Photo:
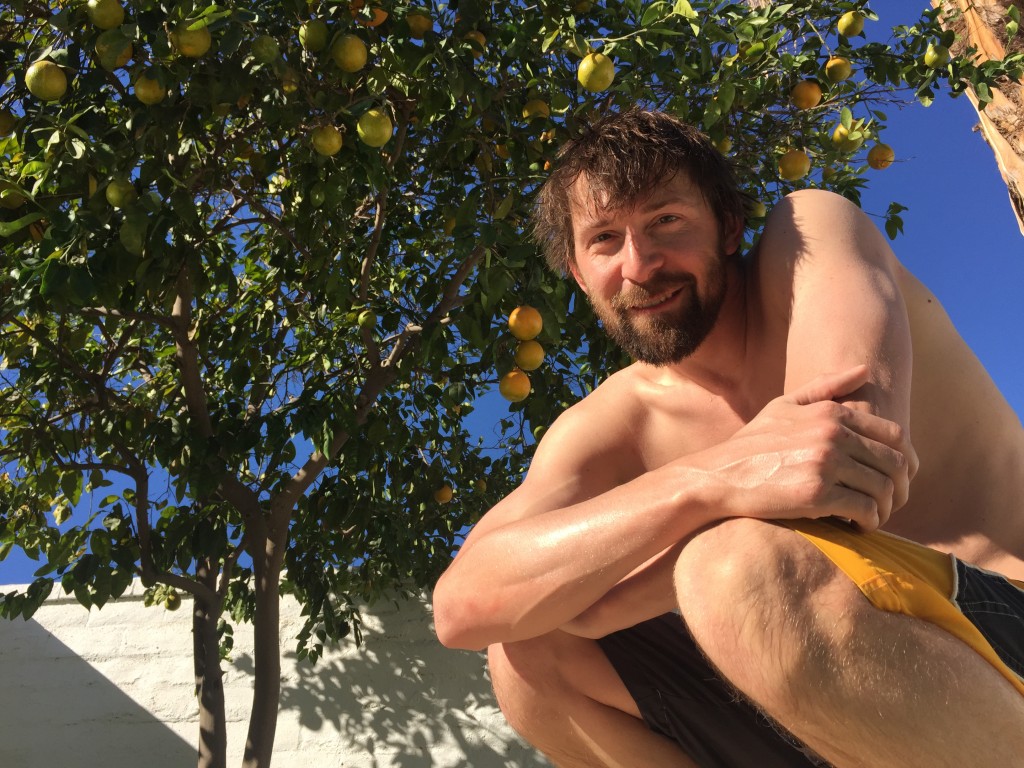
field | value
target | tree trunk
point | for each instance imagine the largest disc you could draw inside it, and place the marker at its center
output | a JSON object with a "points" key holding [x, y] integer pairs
{"points": [[259, 744], [209, 686], [982, 24]]}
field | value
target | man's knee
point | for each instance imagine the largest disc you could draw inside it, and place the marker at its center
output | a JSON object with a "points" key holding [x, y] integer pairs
{"points": [[528, 677], [539, 681], [764, 604]]}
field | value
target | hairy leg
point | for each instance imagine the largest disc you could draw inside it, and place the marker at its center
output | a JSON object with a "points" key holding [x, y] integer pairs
{"points": [[862, 687], [560, 693]]}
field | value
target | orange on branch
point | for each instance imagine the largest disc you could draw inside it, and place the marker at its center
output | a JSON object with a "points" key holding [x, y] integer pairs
{"points": [[881, 156], [46, 80], [191, 43], [349, 53], [596, 72], [794, 165], [838, 68], [806, 94], [525, 323], [529, 355], [514, 386]]}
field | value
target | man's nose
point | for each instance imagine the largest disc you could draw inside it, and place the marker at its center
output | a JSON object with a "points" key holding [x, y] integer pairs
{"points": [[641, 258]]}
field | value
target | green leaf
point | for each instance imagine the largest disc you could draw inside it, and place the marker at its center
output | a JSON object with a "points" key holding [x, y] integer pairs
{"points": [[684, 9]]}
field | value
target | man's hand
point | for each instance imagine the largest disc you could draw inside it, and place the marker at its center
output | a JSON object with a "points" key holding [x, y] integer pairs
{"points": [[805, 455]]}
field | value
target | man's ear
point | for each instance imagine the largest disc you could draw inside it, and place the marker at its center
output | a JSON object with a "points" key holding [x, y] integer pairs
{"points": [[733, 234], [575, 270]]}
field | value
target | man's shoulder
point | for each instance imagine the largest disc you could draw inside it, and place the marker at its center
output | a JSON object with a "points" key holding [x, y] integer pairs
{"points": [[604, 417]]}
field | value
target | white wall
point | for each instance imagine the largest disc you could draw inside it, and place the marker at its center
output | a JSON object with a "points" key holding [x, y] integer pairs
{"points": [[114, 687]]}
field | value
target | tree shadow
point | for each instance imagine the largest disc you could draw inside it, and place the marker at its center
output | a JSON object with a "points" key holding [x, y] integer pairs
{"points": [[404, 699]]}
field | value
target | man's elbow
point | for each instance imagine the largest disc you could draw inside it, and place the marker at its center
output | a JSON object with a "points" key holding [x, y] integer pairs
{"points": [[453, 622]]}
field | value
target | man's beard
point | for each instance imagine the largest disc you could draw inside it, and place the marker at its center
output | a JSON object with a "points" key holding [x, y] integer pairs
{"points": [[670, 336]]}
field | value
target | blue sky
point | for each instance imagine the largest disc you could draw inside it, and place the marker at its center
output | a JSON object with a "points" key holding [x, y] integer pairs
{"points": [[961, 238]]}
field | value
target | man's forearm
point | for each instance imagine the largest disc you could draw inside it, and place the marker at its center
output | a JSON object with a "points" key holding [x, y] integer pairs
{"points": [[647, 592], [534, 575]]}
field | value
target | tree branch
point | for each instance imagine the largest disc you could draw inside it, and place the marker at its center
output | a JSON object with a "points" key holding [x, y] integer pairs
{"points": [[379, 378]]}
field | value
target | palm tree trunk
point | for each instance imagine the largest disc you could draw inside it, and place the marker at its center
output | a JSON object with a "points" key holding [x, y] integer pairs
{"points": [[981, 24]]}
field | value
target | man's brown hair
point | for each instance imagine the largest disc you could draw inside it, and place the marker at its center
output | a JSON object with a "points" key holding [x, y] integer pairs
{"points": [[624, 157]]}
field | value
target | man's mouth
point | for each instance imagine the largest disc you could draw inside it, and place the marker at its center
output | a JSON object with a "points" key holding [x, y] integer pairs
{"points": [[655, 302]]}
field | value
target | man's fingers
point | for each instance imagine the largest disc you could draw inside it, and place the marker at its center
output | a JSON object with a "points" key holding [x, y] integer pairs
{"points": [[860, 509], [830, 386], [877, 428], [877, 492]]}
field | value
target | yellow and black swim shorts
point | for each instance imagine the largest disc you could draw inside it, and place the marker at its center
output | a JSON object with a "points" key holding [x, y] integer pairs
{"points": [[983, 609]]}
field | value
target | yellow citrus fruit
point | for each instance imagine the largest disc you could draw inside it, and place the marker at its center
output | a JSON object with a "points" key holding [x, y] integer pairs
{"points": [[46, 80], [481, 42], [444, 494], [420, 23], [7, 122], [525, 323], [265, 49], [936, 56], [349, 53], [313, 35], [113, 49], [120, 192], [105, 14], [851, 23], [536, 108], [148, 90], [596, 72], [842, 140], [191, 43], [793, 165], [838, 68], [757, 210], [367, 320], [881, 156], [724, 145], [806, 94], [514, 386], [326, 140], [374, 127], [529, 355], [173, 601]]}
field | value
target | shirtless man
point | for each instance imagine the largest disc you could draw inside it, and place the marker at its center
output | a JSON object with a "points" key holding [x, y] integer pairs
{"points": [[741, 473]]}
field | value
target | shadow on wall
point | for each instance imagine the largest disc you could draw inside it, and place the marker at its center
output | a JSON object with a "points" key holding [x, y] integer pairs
{"points": [[404, 701], [57, 710]]}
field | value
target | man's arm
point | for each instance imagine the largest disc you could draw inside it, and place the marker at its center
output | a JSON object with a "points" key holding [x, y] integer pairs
{"points": [[827, 271]]}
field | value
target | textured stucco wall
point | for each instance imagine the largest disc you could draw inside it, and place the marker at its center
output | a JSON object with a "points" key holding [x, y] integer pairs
{"points": [[114, 687]]}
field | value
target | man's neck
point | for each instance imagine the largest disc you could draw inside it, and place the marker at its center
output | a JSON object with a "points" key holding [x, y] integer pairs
{"points": [[721, 363]]}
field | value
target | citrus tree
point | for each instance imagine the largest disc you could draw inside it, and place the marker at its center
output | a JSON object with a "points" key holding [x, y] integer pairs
{"points": [[260, 260]]}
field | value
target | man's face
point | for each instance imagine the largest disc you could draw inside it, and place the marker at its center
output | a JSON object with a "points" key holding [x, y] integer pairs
{"points": [[655, 274]]}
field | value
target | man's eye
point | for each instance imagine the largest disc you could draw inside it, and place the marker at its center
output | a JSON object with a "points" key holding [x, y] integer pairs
{"points": [[668, 218], [602, 237]]}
